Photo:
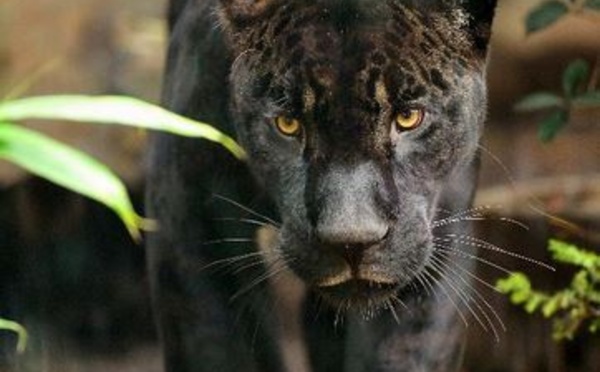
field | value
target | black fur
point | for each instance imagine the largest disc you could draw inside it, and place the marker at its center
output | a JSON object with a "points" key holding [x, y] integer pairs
{"points": [[354, 194]]}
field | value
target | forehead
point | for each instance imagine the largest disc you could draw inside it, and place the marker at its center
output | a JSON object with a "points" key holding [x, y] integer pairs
{"points": [[338, 44], [344, 30]]}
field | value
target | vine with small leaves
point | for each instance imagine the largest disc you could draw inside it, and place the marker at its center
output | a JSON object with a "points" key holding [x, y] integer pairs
{"points": [[573, 308], [577, 306]]}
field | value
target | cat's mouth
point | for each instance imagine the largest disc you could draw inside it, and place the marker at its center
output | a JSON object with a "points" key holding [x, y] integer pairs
{"points": [[359, 293]]}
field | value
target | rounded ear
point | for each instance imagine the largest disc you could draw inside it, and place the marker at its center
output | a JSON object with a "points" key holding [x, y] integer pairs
{"points": [[481, 14], [241, 11]]}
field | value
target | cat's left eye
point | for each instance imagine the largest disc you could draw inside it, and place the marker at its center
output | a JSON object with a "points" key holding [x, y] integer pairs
{"points": [[409, 119], [288, 126]]}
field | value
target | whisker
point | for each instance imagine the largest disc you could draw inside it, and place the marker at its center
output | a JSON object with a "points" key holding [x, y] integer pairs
{"points": [[242, 220], [275, 269], [246, 209], [231, 260], [428, 290], [493, 311], [478, 296], [473, 276], [457, 252], [476, 215], [515, 222], [480, 243], [475, 212], [247, 266], [445, 291], [390, 307], [397, 300], [464, 297], [338, 320]]}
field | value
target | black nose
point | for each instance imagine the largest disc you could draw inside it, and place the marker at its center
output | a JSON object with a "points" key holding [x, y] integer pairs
{"points": [[346, 209], [352, 231], [352, 240]]}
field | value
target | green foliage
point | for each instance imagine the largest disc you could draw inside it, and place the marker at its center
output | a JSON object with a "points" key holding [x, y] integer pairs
{"points": [[551, 11], [74, 169], [69, 168], [7, 325], [552, 124], [579, 80], [113, 110], [572, 308], [575, 77], [578, 91], [77, 171], [545, 15]]}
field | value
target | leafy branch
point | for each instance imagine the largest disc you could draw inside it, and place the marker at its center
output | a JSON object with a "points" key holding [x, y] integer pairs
{"points": [[580, 89], [580, 79], [572, 308]]}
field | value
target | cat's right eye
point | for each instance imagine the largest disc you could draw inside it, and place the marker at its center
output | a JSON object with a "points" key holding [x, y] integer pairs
{"points": [[288, 126], [409, 119]]}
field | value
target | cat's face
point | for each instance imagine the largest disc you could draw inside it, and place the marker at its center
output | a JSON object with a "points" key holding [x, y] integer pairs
{"points": [[355, 115]]}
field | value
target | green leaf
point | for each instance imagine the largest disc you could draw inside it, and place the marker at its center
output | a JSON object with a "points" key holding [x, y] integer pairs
{"points": [[69, 168], [539, 101], [552, 124], [588, 99], [571, 254], [545, 15], [534, 302], [592, 4], [517, 285], [113, 110], [8, 325], [515, 282], [551, 306], [581, 284], [576, 73]]}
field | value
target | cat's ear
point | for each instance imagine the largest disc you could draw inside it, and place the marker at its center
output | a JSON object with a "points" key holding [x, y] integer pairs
{"points": [[480, 15], [238, 12]]}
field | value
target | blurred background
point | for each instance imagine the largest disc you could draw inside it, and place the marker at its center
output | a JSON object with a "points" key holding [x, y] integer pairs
{"points": [[70, 273]]}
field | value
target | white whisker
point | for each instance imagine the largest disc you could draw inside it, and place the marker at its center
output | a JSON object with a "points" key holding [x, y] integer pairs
{"points": [[479, 243], [273, 270], [462, 296], [445, 291], [445, 265], [457, 252], [231, 260], [248, 221], [247, 209]]}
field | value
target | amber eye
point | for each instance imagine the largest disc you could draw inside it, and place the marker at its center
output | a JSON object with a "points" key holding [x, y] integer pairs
{"points": [[287, 126], [409, 119]]}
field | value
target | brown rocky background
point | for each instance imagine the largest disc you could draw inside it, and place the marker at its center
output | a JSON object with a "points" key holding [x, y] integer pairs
{"points": [[69, 272]]}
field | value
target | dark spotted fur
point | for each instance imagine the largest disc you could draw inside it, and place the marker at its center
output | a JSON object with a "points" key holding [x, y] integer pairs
{"points": [[357, 199]]}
